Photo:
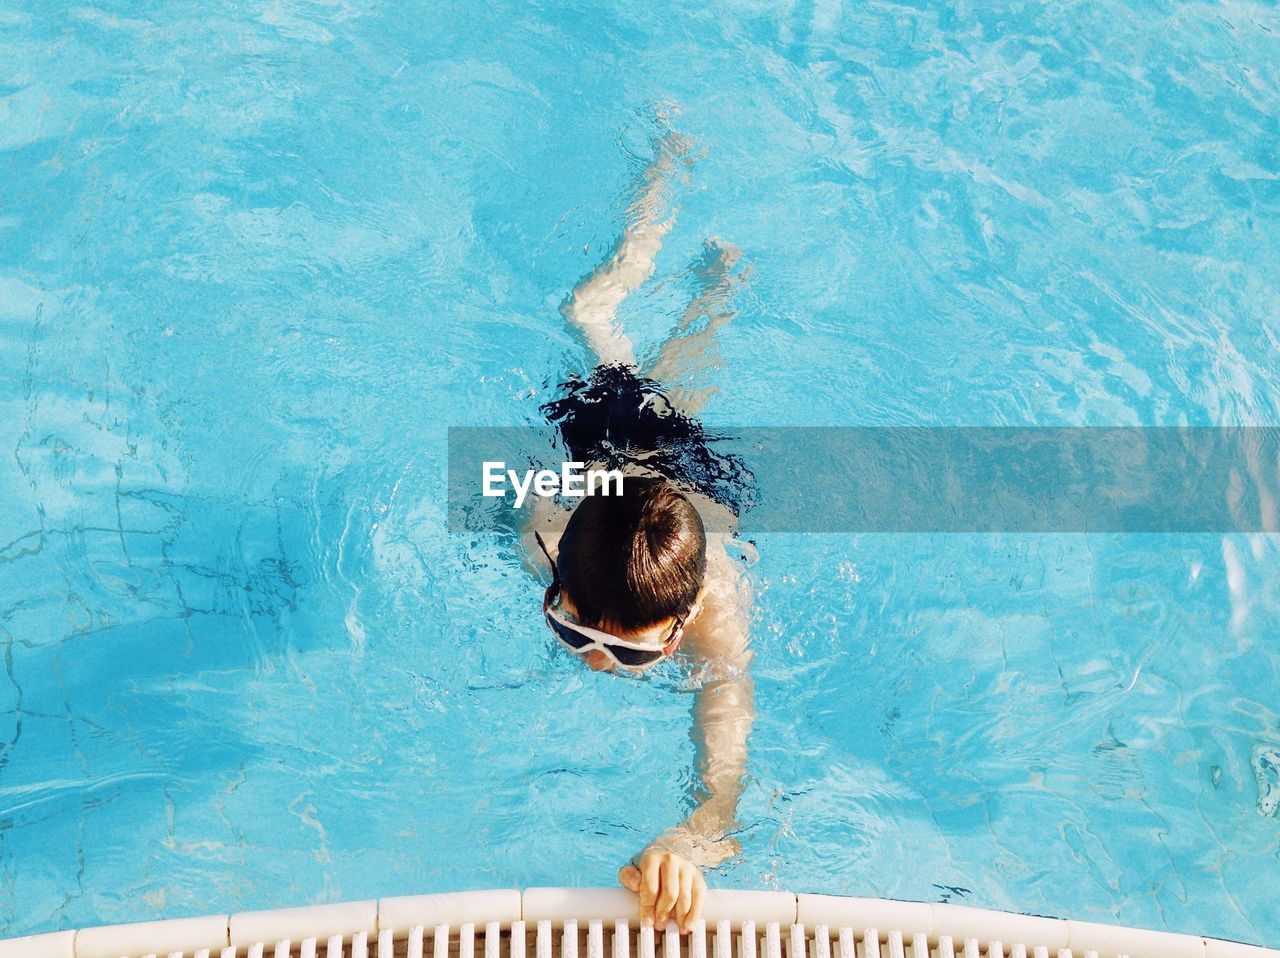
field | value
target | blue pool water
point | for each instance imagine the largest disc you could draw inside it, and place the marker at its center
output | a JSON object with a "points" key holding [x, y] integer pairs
{"points": [[256, 257]]}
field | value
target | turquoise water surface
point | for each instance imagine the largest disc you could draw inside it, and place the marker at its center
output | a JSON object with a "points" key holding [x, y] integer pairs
{"points": [[255, 258]]}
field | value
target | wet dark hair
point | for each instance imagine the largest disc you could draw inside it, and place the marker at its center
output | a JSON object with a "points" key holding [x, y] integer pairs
{"points": [[635, 559]]}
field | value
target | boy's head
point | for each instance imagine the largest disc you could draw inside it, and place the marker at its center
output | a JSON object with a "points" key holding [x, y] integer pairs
{"points": [[629, 562]]}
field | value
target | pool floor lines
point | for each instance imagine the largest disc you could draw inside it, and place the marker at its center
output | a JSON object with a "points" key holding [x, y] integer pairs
{"points": [[600, 923]]}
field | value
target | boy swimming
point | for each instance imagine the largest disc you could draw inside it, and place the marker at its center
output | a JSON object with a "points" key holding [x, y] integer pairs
{"points": [[645, 576]]}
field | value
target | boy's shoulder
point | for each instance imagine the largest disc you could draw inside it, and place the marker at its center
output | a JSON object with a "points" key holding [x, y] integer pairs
{"points": [[721, 630]]}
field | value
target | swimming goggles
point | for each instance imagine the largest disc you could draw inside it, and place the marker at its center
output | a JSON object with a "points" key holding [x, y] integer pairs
{"points": [[579, 639]]}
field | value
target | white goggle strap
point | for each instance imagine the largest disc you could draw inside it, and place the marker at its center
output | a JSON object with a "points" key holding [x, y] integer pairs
{"points": [[602, 638]]}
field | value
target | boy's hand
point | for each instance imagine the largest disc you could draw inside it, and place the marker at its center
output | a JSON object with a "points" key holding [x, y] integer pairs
{"points": [[669, 886]]}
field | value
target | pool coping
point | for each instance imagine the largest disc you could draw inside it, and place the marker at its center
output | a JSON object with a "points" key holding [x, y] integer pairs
{"points": [[500, 908]]}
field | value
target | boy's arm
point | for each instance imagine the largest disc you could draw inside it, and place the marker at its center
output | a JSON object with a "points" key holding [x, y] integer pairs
{"points": [[667, 874], [723, 709], [723, 712]]}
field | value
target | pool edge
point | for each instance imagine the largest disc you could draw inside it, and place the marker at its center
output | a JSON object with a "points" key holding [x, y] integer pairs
{"points": [[894, 924]]}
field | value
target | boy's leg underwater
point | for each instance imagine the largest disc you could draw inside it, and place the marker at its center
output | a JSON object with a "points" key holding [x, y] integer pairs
{"points": [[593, 305], [691, 348]]}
